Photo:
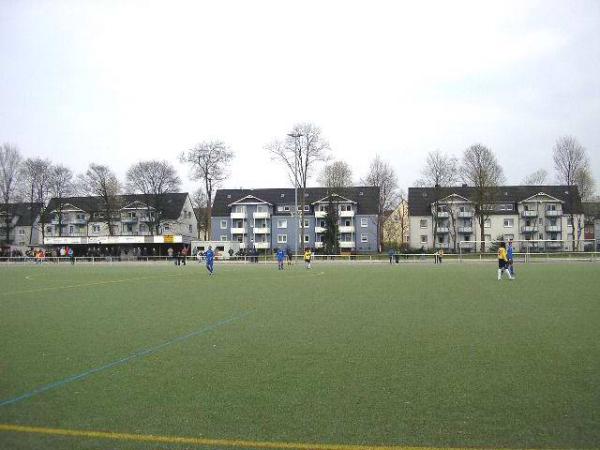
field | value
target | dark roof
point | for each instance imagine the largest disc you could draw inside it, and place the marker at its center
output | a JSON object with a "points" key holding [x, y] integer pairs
{"points": [[367, 202], [171, 204], [420, 199], [591, 210], [27, 213]]}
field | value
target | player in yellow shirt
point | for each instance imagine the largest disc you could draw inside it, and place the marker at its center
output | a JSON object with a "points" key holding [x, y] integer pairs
{"points": [[503, 262], [307, 258]]}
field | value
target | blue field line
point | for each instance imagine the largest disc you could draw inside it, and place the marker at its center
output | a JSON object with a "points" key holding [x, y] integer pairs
{"points": [[137, 354]]}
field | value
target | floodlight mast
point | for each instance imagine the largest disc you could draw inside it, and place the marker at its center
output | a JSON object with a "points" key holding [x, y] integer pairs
{"points": [[297, 161]]}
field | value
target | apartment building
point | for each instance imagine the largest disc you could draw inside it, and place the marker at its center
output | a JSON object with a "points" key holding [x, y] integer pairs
{"points": [[266, 219], [591, 210], [446, 217], [136, 221], [19, 225]]}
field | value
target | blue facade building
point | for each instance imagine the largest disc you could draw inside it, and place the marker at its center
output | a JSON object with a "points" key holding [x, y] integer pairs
{"points": [[267, 219]]}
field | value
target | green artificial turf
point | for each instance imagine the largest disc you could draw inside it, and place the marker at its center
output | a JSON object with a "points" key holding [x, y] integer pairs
{"points": [[408, 355]]}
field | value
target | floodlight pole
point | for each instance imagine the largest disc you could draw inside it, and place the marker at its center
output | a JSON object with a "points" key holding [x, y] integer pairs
{"points": [[296, 137]]}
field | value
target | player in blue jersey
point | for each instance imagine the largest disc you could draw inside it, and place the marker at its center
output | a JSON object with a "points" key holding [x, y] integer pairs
{"points": [[210, 260], [280, 258], [509, 255]]}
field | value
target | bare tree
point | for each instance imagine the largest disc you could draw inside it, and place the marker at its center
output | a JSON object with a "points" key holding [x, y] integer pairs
{"points": [[10, 164], [439, 170], [100, 181], [572, 166], [338, 174], [199, 202], [209, 162], [153, 180], [481, 170], [382, 175], [61, 187], [300, 151], [35, 184], [536, 178]]}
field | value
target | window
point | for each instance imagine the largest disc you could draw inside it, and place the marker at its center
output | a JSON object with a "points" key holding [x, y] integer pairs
{"points": [[363, 237], [346, 208], [423, 223], [364, 222], [282, 238], [306, 207], [280, 208], [347, 223], [261, 208], [286, 208], [223, 237], [487, 237], [323, 208], [239, 209], [189, 228], [305, 223], [21, 231], [130, 228], [509, 223], [306, 238], [540, 221], [322, 224], [96, 228], [142, 227], [223, 224], [166, 227], [551, 207], [423, 239], [48, 229], [508, 237], [487, 223], [71, 229], [282, 223]]}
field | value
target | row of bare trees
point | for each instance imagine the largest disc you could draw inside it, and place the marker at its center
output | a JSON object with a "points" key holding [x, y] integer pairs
{"points": [[480, 169]]}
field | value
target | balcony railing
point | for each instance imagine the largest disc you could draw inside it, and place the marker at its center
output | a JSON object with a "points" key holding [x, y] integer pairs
{"points": [[442, 245], [346, 244], [556, 244], [262, 230], [465, 214], [553, 213], [238, 215], [129, 219], [320, 229], [554, 228], [318, 244], [465, 229], [529, 229], [262, 245], [443, 214], [346, 229], [346, 214], [261, 215], [529, 214], [320, 214], [238, 230], [442, 230]]}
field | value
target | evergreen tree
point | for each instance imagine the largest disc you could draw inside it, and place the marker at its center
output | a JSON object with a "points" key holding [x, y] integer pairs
{"points": [[331, 237]]}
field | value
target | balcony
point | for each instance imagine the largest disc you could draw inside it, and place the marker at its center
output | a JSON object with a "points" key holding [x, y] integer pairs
{"points": [[465, 214], [529, 229], [146, 219], [238, 215], [262, 230], [442, 245], [346, 229], [260, 215], [320, 229], [553, 213], [553, 228], [318, 244], [555, 244], [347, 244], [466, 230], [443, 214], [346, 214], [242, 245], [529, 213], [320, 214], [129, 220], [238, 230], [262, 245], [442, 230]]}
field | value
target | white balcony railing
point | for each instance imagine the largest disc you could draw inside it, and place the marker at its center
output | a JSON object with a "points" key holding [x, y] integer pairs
{"points": [[346, 214], [262, 245], [129, 219], [443, 214], [238, 215], [347, 244], [320, 229], [242, 245], [465, 214], [553, 213], [553, 228], [238, 231], [261, 215], [346, 229], [442, 230], [318, 244], [262, 230], [529, 214], [320, 214], [465, 229], [556, 244], [529, 229]]}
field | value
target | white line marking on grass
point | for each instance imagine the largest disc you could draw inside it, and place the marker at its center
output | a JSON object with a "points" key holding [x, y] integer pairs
{"points": [[119, 362]]}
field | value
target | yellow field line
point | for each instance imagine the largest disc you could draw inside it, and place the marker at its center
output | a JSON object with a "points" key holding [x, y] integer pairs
{"points": [[237, 443]]}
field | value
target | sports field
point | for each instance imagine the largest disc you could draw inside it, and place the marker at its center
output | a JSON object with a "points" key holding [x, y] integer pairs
{"points": [[338, 356]]}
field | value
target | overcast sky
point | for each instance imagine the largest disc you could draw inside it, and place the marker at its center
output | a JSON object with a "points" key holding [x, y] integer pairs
{"points": [[119, 81]]}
